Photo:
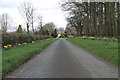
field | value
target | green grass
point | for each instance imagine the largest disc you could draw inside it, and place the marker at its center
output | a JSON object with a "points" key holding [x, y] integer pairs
{"points": [[104, 49], [0, 62], [14, 57]]}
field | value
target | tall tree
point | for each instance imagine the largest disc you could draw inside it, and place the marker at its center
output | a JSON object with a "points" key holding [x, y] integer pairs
{"points": [[40, 21], [27, 10], [5, 22], [93, 18], [118, 18]]}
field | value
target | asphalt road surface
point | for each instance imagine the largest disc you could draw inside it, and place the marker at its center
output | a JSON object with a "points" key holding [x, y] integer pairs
{"points": [[63, 59]]}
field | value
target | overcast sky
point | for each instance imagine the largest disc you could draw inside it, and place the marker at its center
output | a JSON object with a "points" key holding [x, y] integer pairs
{"points": [[49, 9]]}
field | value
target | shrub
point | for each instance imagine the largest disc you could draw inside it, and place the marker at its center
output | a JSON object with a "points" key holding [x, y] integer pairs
{"points": [[19, 38]]}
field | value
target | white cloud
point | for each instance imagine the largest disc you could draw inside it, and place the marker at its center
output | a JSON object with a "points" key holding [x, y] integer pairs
{"points": [[49, 9]]}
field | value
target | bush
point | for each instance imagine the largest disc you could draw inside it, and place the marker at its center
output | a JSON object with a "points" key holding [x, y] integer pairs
{"points": [[19, 38]]}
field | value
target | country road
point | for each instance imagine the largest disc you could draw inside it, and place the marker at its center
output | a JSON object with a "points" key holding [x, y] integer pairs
{"points": [[63, 59]]}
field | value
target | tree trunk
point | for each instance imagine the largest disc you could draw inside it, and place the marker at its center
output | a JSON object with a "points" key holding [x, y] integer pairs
{"points": [[27, 28], [32, 27]]}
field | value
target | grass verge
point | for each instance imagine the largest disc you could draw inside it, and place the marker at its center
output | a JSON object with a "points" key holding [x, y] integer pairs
{"points": [[0, 63], [14, 57], [106, 50]]}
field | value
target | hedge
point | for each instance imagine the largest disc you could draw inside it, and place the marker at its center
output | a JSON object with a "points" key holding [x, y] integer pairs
{"points": [[18, 38]]}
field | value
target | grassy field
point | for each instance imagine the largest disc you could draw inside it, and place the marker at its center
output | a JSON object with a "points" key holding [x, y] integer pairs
{"points": [[0, 62], [104, 49], [15, 56]]}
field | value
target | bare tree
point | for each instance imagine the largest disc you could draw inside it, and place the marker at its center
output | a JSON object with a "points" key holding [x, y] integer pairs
{"points": [[93, 18], [33, 18], [49, 26], [5, 22], [40, 22], [27, 10]]}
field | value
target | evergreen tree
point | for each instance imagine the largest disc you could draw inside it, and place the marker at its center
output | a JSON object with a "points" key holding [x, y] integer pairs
{"points": [[19, 30]]}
